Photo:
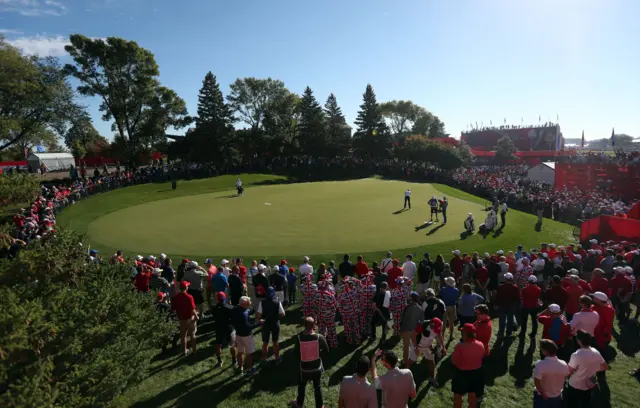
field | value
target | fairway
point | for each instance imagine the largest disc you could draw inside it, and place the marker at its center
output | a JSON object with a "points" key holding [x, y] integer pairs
{"points": [[306, 218]]}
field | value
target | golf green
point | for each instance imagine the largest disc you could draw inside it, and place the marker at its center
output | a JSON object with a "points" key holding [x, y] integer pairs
{"points": [[308, 218]]}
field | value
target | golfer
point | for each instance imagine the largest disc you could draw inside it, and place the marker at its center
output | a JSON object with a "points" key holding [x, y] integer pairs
{"points": [[239, 187], [407, 199], [433, 203]]}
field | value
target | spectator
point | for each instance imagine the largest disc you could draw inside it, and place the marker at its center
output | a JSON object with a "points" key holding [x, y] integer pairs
{"points": [[583, 366], [292, 279], [508, 302], [574, 292], [483, 327], [586, 319], [272, 311], [386, 263], [449, 295], [345, 268], [549, 376], [309, 345], [467, 305], [394, 273], [606, 314], [361, 267], [481, 279], [355, 390], [411, 316], [260, 283], [381, 277], [433, 306], [278, 282], [194, 273], [185, 308], [244, 334], [167, 270], [305, 269], [382, 315], [467, 359], [530, 303], [397, 385], [220, 282], [225, 333], [409, 267], [438, 268], [556, 294], [236, 287], [430, 331], [425, 272], [554, 325]]}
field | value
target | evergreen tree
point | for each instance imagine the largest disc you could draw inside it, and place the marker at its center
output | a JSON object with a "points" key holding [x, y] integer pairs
{"points": [[372, 138], [214, 122], [312, 130], [336, 124]]}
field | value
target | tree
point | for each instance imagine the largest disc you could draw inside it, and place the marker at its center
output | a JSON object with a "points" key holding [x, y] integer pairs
{"points": [[336, 124], [429, 125], [465, 153], [36, 99], [312, 130], [19, 188], [372, 138], [81, 137], [419, 148], [250, 98], [505, 149], [214, 121], [401, 115], [124, 77]]}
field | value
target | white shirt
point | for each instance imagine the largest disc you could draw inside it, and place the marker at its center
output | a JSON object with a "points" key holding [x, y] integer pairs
{"points": [[225, 271], [409, 269], [280, 309], [551, 372], [538, 264], [503, 208], [586, 321], [407, 193], [305, 268], [586, 362], [238, 183], [387, 299], [386, 264]]}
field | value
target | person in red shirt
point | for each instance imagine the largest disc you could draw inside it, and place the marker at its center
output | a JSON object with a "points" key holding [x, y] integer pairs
{"points": [[185, 308], [556, 294], [508, 301], [211, 272], [621, 290], [552, 251], [456, 264], [602, 333], [361, 268], [142, 278], [481, 279], [118, 258], [573, 297], [598, 282], [242, 270], [554, 325], [467, 358], [394, 273], [483, 327], [530, 302]]}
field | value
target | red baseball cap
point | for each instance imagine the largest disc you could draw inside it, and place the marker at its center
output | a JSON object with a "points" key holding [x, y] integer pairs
{"points": [[160, 295], [283, 262], [220, 296], [468, 328], [184, 284], [186, 260]]}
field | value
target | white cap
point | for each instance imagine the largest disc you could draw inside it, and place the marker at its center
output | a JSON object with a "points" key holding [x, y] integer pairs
{"points": [[486, 255], [573, 271], [628, 270], [138, 257], [193, 264], [306, 259], [449, 281], [480, 262], [500, 252], [508, 276], [525, 260], [592, 251], [578, 256], [261, 267], [163, 256], [545, 255], [532, 279], [594, 241], [152, 258], [552, 245], [156, 271], [601, 297], [553, 308], [224, 262], [456, 252], [619, 269]]}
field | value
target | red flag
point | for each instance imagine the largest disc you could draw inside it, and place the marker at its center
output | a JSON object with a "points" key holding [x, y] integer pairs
{"points": [[583, 138]]}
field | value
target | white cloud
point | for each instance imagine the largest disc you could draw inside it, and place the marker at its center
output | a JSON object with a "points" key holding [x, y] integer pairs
{"points": [[33, 8], [41, 45], [9, 31]]}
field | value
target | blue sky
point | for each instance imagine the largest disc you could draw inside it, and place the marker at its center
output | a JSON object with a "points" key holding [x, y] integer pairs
{"points": [[466, 61]]}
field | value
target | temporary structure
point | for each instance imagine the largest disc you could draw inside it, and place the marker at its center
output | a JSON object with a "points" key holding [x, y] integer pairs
{"points": [[544, 172], [53, 161]]}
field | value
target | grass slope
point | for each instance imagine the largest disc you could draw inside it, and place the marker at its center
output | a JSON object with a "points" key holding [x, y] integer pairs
{"points": [[322, 220]]}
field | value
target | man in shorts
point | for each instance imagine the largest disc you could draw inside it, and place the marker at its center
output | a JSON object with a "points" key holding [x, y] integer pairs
{"points": [[467, 359], [185, 308], [244, 326], [269, 313], [429, 331], [433, 204], [225, 333]]}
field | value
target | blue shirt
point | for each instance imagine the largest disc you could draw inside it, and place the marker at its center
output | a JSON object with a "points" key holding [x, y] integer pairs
{"points": [[467, 304], [219, 282], [291, 278], [283, 270], [449, 295]]}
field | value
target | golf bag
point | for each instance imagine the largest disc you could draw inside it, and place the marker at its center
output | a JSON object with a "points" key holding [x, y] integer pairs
{"points": [[469, 224]]}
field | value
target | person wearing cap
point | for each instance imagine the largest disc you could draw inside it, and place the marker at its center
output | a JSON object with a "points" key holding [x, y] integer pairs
{"points": [[522, 275], [142, 278], [356, 391], [554, 325], [583, 366], [530, 304], [278, 283], [574, 292], [345, 269], [194, 274], [411, 316], [225, 333], [449, 295], [310, 346], [269, 313], [549, 376], [224, 268], [260, 283], [433, 306], [394, 273], [556, 293], [397, 385], [621, 292], [181, 269], [381, 277], [387, 263], [157, 283], [220, 282], [167, 270], [429, 331], [508, 302], [456, 264], [481, 279], [425, 273], [586, 319], [606, 316], [185, 308], [305, 269], [244, 326], [467, 359]]}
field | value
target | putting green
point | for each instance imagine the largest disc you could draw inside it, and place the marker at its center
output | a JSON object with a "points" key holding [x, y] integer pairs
{"points": [[306, 218]]}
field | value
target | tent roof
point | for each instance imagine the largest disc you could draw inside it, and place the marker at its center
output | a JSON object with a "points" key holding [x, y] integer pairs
{"points": [[43, 156], [551, 165]]}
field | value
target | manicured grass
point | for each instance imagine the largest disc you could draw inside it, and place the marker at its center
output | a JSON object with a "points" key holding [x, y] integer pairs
{"points": [[177, 381]]}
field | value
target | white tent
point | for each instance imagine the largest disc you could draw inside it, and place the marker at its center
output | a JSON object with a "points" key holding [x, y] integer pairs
{"points": [[53, 161], [544, 172]]}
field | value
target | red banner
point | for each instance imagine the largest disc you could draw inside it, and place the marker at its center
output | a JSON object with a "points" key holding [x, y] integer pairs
{"points": [[622, 180], [611, 228]]}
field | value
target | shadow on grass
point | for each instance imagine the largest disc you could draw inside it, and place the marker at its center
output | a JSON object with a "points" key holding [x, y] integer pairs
{"points": [[434, 230], [423, 226], [465, 235], [228, 196], [498, 232], [401, 211], [627, 339], [522, 368], [497, 363]]}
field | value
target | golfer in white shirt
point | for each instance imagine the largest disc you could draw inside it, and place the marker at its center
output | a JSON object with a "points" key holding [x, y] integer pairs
{"points": [[409, 267], [407, 199]]}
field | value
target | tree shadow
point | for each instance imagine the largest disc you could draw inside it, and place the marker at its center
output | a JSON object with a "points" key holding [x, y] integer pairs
{"points": [[423, 226], [522, 368], [434, 230], [401, 211]]}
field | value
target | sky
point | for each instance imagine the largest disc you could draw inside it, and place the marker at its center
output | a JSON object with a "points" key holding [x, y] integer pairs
{"points": [[466, 61]]}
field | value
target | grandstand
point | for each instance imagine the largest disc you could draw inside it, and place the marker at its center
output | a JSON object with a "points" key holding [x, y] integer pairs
{"points": [[546, 137]]}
